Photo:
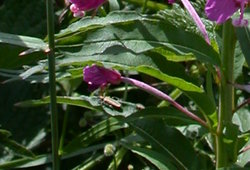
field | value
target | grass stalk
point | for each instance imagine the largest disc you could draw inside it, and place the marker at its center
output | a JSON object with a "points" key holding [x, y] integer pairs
{"points": [[52, 84]]}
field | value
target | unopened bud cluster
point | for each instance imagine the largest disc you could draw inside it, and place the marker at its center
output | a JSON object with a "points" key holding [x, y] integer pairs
{"points": [[109, 150]]}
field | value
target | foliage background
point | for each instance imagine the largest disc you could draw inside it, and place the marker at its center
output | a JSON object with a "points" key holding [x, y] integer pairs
{"points": [[159, 45]]}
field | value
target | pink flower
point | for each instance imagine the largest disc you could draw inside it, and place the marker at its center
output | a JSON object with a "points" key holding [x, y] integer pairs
{"points": [[222, 10], [79, 6], [97, 76]]}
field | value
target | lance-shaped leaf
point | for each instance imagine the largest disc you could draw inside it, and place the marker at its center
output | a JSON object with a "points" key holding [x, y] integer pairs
{"points": [[139, 36], [17, 148]]}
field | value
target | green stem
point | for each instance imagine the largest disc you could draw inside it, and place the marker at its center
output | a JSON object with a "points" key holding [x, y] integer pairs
{"points": [[52, 83], [144, 7], [150, 4], [226, 99], [175, 94], [65, 121], [102, 12], [125, 94], [115, 164]]}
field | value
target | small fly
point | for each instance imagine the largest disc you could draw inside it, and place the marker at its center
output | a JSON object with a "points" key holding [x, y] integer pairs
{"points": [[110, 101]]}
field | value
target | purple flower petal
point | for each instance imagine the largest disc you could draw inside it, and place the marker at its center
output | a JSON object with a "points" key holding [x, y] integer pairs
{"points": [[97, 76], [220, 10], [239, 22], [86, 5], [79, 6]]}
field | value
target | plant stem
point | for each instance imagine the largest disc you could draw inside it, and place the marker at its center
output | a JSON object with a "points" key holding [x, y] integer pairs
{"points": [[150, 4], [163, 96], [52, 83], [115, 164], [242, 105], [102, 11], [65, 121], [226, 100], [125, 94], [175, 94], [144, 7]]}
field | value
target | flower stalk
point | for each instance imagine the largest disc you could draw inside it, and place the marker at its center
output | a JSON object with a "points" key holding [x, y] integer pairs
{"points": [[52, 84], [226, 99], [196, 19], [99, 77], [150, 4], [162, 96]]}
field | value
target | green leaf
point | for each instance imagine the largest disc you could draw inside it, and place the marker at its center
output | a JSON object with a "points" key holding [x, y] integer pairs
{"points": [[119, 156], [170, 56], [209, 85], [125, 109], [150, 4], [206, 105], [139, 36], [19, 162], [230, 141], [242, 119], [4, 133], [152, 64], [93, 134], [168, 141], [45, 159], [92, 23], [22, 41], [233, 168], [239, 61], [175, 81], [244, 157], [19, 121], [94, 103], [91, 162], [15, 147], [31, 71], [15, 17], [9, 56], [156, 158], [171, 116], [243, 35], [114, 5], [82, 101]]}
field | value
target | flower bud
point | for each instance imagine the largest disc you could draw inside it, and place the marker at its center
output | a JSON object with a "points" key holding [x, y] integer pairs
{"points": [[130, 167], [109, 150], [82, 122], [79, 6], [97, 76]]}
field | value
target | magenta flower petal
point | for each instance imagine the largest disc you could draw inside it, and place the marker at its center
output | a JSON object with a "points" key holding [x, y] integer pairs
{"points": [[85, 5], [240, 21], [76, 11], [196, 19], [220, 10], [97, 76], [79, 6]]}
